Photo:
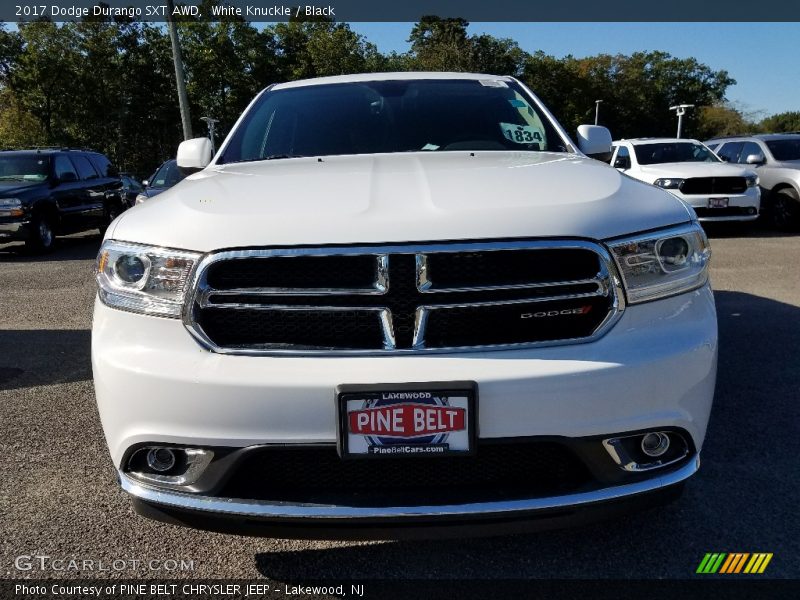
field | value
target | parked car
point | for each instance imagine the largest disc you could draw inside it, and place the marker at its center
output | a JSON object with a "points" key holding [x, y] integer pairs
{"points": [[50, 192], [776, 159], [131, 187], [717, 191], [167, 175], [403, 300]]}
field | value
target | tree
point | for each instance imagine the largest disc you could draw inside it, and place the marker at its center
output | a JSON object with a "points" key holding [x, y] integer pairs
{"points": [[440, 44], [781, 123], [721, 119], [321, 47], [44, 75], [636, 90]]}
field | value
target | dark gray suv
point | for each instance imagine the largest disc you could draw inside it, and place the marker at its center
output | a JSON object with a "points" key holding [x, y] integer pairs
{"points": [[776, 159]]}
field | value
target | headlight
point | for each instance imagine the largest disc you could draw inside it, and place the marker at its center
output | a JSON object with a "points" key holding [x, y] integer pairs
{"points": [[143, 279], [11, 207], [141, 198], [664, 263], [752, 180], [668, 184]]}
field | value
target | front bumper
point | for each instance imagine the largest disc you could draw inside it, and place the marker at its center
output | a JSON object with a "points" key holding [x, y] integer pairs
{"points": [[741, 207], [655, 369], [397, 522], [17, 230]]}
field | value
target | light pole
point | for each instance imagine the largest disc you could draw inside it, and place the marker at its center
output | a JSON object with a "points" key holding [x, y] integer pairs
{"points": [[180, 76], [680, 110], [597, 111], [211, 122]]}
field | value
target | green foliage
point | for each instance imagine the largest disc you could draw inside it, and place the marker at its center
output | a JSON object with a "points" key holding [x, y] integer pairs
{"points": [[781, 123], [721, 119], [636, 90], [109, 84]]}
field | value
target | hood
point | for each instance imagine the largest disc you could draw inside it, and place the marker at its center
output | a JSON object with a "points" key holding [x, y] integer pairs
{"points": [[787, 164], [399, 198], [9, 189], [684, 170]]}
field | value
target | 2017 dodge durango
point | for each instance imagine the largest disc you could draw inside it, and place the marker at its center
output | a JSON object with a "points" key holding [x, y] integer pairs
{"points": [[403, 302]]}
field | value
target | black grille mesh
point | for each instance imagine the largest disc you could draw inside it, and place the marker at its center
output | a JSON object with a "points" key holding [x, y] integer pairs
{"points": [[356, 271], [351, 329], [514, 323], [714, 185], [318, 474], [510, 267]]}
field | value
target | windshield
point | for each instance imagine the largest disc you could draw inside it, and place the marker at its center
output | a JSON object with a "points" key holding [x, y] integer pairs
{"points": [[788, 149], [673, 152], [24, 168], [168, 175], [391, 116]]}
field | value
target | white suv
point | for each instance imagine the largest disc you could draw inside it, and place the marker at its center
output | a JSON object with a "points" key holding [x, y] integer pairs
{"points": [[402, 301], [717, 191], [776, 159]]}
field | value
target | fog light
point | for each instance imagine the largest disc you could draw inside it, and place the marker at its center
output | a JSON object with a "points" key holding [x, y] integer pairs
{"points": [[160, 459], [655, 444], [751, 210]]}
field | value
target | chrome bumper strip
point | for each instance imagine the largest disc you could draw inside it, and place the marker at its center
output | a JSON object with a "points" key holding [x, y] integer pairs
{"points": [[15, 227], [286, 510]]}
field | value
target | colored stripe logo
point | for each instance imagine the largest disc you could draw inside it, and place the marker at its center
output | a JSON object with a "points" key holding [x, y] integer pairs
{"points": [[734, 562]]}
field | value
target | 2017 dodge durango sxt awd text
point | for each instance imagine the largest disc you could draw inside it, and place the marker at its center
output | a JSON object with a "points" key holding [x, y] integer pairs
{"points": [[403, 302]]}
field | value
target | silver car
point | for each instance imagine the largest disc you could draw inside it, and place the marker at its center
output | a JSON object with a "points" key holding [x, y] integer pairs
{"points": [[776, 159]]}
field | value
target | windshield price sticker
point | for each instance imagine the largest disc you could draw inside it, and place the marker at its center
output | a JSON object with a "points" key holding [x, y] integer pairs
{"points": [[522, 134]]}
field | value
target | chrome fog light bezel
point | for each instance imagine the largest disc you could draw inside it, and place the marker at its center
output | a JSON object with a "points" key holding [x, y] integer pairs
{"points": [[192, 461], [628, 454]]}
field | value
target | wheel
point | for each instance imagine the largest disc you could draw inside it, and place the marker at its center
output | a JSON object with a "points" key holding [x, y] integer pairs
{"points": [[786, 210], [113, 210], [42, 237]]}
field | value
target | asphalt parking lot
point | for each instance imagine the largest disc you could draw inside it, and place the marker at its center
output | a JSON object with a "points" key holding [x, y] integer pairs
{"points": [[58, 495]]}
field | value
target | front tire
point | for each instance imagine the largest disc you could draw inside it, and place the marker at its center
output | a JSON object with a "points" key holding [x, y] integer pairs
{"points": [[42, 237], [113, 210], [786, 210]]}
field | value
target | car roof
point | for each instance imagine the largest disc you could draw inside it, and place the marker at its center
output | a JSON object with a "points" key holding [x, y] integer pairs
{"points": [[47, 151], [397, 76], [766, 137], [639, 141]]}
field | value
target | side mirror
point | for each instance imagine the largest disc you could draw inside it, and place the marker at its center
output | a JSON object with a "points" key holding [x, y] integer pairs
{"points": [[595, 142], [194, 155], [622, 162], [756, 159], [145, 183]]}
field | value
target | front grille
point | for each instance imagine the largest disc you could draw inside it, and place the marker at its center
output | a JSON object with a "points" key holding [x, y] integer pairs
{"points": [[727, 211], [497, 470], [393, 299], [714, 185]]}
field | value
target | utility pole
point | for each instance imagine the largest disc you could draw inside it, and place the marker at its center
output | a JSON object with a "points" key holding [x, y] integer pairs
{"points": [[180, 76], [597, 111], [680, 110]]}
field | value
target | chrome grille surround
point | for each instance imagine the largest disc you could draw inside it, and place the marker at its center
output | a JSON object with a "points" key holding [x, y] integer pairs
{"points": [[607, 280]]}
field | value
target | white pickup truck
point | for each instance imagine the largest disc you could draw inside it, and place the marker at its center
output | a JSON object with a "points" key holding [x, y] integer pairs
{"points": [[403, 303], [717, 191]]}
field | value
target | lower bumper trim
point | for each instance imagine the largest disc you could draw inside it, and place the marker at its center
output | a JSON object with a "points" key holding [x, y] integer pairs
{"points": [[331, 514]]}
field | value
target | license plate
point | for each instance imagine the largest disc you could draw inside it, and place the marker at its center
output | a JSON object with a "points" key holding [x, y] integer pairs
{"points": [[406, 420], [718, 203]]}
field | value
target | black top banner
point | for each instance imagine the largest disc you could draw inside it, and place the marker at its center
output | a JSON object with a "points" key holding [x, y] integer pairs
{"points": [[409, 10]]}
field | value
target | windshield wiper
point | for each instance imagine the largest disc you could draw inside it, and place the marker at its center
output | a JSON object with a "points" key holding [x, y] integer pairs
{"points": [[279, 156]]}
